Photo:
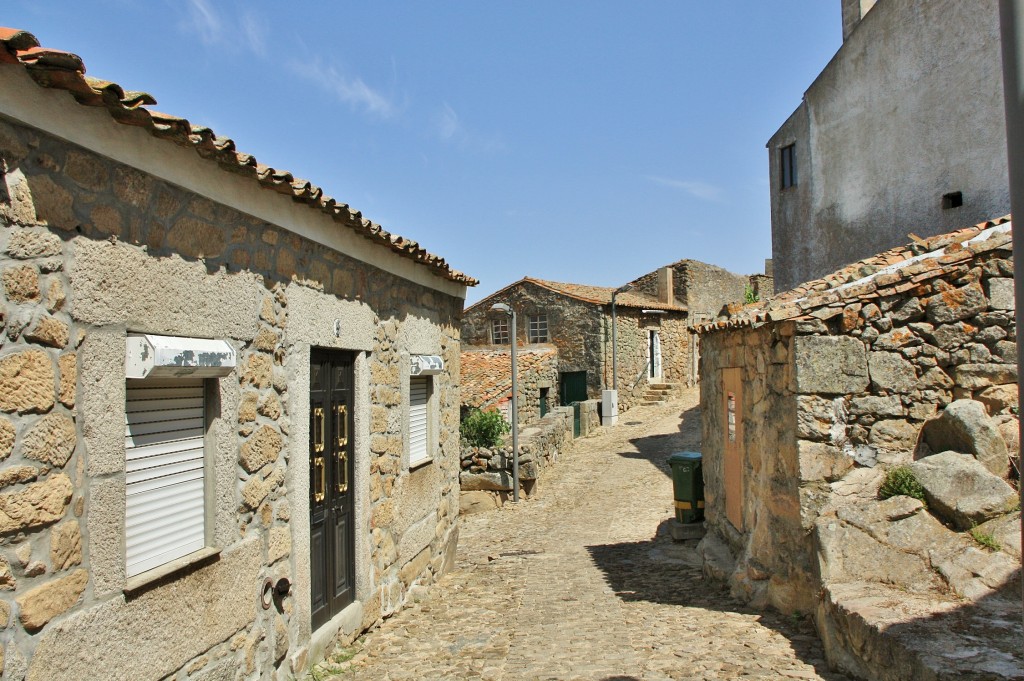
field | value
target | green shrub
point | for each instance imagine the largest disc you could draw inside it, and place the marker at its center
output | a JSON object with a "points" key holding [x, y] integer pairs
{"points": [[901, 480], [750, 295], [484, 428]]}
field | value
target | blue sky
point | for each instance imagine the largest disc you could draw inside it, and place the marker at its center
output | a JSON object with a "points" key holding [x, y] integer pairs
{"points": [[583, 141]]}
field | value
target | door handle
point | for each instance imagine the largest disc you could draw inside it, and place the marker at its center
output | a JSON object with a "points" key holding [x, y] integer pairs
{"points": [[341, 442], [341, 424], [343, 472], [318, 429], [319, 491]]}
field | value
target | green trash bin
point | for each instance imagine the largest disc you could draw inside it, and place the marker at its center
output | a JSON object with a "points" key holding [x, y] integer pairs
{"points": [[688, 485]]}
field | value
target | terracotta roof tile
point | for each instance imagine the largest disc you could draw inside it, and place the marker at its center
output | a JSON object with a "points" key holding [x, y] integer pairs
{"points": [[487, 371], [65, 71], [894, 271], [600, 295]]}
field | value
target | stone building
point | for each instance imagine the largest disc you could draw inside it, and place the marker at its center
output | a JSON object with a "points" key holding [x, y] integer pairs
{"points": [[902, 132], [229, 430], [486, 379], [653, 343], [907, 358], [702, 288]]}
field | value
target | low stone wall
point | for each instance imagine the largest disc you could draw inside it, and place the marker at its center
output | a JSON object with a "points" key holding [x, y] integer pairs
{"points": [[803, 418], [486, 478]]}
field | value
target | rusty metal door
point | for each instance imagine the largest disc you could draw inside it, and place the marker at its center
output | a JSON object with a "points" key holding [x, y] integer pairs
{"points": [[331, 507], [732, 465]]}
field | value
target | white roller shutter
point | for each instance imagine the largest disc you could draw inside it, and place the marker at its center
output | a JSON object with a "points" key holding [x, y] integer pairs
{"points": [[164, 471], [419, 393]]}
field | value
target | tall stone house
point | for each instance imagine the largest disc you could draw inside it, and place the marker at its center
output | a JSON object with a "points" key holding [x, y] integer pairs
{"points": [[228, 402], [655, 351], [902, 132], [906, 358]]}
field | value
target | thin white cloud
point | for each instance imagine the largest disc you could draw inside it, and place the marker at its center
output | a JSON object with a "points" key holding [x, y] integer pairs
{"points": [[254, 30], [203, 19], [697, 189], [347, 88], [448, 124], [450, 129]]}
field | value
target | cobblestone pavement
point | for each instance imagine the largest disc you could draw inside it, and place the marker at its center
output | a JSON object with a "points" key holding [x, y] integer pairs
{"points": [[582, 582]]}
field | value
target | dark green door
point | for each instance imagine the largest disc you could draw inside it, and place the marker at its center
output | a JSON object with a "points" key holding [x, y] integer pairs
{"points": [[543, 402], [572, 387]]}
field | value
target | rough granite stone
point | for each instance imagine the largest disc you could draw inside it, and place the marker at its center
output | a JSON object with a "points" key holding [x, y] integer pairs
{"points": [[68, 365], [978, 376], [41, 503], [7, 435], [889, 371], [51, 440], [43, 603], [1000, 294], [830, 365], [961, 491], [999, 399], [956, 304], [262, 448], [964, 426], [21, 284], [24, 244], [65, 546], [49, 331], [492, 481], [26, 382]]}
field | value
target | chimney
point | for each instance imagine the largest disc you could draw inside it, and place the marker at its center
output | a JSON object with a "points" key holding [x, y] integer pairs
{"points": [[666, 292]]}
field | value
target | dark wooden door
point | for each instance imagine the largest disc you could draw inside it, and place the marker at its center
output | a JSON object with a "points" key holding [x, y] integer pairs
{"points": [[331, 515]]}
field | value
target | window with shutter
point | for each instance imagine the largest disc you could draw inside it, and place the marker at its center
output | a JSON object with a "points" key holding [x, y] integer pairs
{"points": [[165, 432], [419, 424]]}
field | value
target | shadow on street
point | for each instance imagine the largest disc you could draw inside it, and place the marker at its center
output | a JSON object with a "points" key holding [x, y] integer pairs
{"points": [[665, 572], [657, 448]]}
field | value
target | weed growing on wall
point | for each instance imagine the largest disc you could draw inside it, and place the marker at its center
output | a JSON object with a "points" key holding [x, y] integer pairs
{"points": [[900, 480], [483, 428]]}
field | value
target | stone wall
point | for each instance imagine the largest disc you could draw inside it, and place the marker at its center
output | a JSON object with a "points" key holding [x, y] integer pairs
{"points": [[767, 558], [90, 250], [916, 367], [704, 289], [487, 480]]}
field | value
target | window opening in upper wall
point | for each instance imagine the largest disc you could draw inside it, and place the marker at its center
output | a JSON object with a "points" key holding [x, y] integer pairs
{"points": [[787, 166]]}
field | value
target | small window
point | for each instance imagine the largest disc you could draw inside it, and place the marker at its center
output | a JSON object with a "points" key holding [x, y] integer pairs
{"points": [[539, 328], [952, 200], [165, 476], [499, 331], [787, 166], [419, 420]]}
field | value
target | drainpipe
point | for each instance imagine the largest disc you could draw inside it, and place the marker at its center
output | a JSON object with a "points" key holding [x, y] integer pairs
{"points": [[610, 398], [507, 309], [1011, 24]]}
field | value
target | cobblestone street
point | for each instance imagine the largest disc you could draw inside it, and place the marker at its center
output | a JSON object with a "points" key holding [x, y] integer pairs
{"points": [[583, 582]]}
